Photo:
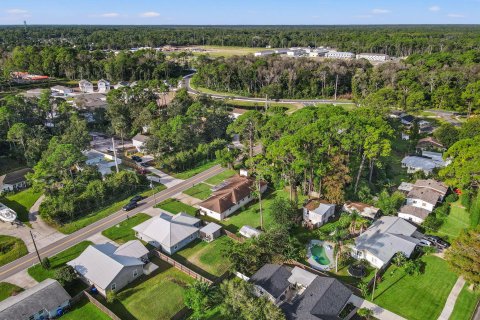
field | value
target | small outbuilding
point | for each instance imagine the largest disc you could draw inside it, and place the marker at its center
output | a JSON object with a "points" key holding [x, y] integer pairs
{"points": [[210, 232], [249, 232]]}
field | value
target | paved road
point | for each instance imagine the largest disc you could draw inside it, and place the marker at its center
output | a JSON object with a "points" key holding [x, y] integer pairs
{"points": [[76, 237], [249, 99]]}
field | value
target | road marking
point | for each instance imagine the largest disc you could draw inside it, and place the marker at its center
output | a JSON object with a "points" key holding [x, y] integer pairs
{"points": [[167, 193]]}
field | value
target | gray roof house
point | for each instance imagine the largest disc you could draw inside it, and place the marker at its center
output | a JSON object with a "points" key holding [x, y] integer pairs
{"points": [[414, 164], [170, 233], [317, 212], [109, 267], [301, 294], [42, 301], [14, 180], [383, 239]]}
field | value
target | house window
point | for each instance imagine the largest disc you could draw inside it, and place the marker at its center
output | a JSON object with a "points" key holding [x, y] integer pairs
{"points": [[114, 286], [175, 248], [135, 273]]}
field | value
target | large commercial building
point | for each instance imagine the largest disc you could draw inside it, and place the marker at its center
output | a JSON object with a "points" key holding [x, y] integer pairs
{"points": [[340, 55], [373, 57]]}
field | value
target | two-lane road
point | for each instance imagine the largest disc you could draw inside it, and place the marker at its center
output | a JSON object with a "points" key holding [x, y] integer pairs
{"points": [[105, 223]]}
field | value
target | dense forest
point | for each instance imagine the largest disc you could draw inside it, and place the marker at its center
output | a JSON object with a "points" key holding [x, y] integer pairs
{"points": [[392, 40]]}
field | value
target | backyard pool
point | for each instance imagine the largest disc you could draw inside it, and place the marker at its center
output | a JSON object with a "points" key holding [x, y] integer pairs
{"points": [[319, 255]]}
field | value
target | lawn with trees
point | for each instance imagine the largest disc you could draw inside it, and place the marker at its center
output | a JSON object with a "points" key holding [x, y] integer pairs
{"points": [[21, 202], [11, 249], [123, 231]]}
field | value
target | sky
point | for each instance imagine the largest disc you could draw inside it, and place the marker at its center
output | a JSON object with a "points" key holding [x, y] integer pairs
{"points": [[239, 12]]}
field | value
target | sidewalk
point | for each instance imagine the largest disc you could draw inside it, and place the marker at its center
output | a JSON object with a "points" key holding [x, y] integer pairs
{"points": [[378, 312], [452, 298]]}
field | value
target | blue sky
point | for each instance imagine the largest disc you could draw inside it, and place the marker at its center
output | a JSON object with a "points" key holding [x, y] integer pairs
{"points": [[318, 12]]}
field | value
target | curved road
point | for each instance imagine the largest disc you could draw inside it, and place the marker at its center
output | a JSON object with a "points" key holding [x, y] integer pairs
{"points": [[105, 223], [190, 90]]}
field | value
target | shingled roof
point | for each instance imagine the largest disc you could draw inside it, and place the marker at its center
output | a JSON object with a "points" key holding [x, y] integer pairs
{"points": [[14, 176], [427, 195], [414, 211]]}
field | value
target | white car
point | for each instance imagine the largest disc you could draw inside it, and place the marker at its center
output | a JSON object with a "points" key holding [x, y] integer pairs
{"points": [[425, 243]]}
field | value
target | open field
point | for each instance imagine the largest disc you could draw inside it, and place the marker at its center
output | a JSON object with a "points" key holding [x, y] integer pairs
{"points": [[85, 310], [205, 255], [11, 249], [221, 51], [8, 289], [220, 177], [416, 297], [457, 220], [123, 232], [21, 202], [200, 191], [465, 305], [165, 287], [175, 206]]}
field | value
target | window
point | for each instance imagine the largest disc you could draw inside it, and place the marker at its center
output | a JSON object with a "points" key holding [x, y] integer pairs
{"points": [[135, 272], [175, 248], [114, 286]]}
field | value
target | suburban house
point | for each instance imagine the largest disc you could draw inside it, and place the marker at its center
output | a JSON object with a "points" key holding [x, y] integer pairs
{"points": [[415, 164], [363, 209], [85, 86], [109, 267], [210, 232], [301, 294], [90, 101], [14, 180], [406, 119], [405, 187], [229, 196], [103, 86], [422, 199], [103, 161], [317, 212], [429, 143], [383, 239], [138, 142], [43, 301], [169, 232], [249, 232], [425, 127], [61, 90]]}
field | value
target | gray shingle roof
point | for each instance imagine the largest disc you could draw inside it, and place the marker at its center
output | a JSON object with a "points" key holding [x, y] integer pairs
{"points": [[48, 295], [414, 211], [273, 278], [427, 195]]}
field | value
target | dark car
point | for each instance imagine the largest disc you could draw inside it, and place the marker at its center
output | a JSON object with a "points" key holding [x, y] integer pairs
{"points": [[137, 198], [437, 241], [136, 158], [130, 206], [144, 164]]}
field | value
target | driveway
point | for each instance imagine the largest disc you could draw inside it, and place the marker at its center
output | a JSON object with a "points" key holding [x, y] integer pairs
{"points": [[378, 312], [43, 233], [164, 178]]}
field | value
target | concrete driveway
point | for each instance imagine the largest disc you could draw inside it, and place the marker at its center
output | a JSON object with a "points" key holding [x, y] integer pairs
{"points": [[164, 178]]}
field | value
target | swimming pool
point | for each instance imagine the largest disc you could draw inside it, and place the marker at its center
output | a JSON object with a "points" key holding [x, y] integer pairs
{"points": [[319, 254]]}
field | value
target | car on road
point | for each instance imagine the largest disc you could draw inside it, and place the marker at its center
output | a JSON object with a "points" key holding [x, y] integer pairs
{"points": [[136, 158], [130, 206], [137, 198]]}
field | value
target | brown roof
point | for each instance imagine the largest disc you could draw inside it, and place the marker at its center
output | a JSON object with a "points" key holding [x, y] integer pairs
{"points": [[313, 204], [438, 186], [415, 211], [429, 141], [15, 176], [427, 195], [359, 206], [236, 189]]}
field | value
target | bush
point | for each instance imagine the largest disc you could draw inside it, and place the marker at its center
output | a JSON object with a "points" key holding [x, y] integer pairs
{"points": [[65, 274], [432, 223], [451, 198], [466, 199], [442, 211], [111, 296], [46, 263]]}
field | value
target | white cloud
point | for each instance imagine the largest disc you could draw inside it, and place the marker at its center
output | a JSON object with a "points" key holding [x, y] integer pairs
{"points": [[150, 14], [16, 11], [434, 8], [380, 11], [455, 15], [110, 15]]}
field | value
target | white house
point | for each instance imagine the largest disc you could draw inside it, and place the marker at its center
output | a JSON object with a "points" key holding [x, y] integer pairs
{"points": [[339, 55], [14, 180], [317, 212], [85, 86], [414, 164], [138, 142], [103, 86], [374, 57], [414, 214], [61, 90], [229, 196]]}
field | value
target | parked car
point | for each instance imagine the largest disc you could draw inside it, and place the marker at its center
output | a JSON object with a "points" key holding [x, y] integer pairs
{"points": [[439, 242], [136, 158], [130, 206], [144, 164], [425, 243], [137, 198]]}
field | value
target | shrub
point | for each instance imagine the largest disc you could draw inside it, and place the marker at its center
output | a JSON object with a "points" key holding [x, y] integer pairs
{"points": [[46, 263], [111, 296], [466, 199], [451, 198], [432, 223], [65, 274]]}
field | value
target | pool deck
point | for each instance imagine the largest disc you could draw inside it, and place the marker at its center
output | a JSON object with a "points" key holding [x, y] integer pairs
{"points": [[314, 264]]}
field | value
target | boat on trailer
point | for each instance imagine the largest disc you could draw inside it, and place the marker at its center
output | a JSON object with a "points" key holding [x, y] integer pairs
{"points": [[7, 214]]}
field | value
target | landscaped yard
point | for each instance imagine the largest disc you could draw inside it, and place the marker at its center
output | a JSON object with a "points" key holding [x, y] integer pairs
{"points": [[200, 191], [11, 249], [159, 296], [416, 297], [84, 309], [457, 220], [220, 177], [191, 172], [21, 202], [174, 206], [465, 305], [8, 289], [123, 232], [206, 256]]}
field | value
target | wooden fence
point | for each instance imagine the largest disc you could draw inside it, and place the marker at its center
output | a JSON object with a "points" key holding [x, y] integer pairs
{"points": [[100, 306], [233, 236], [181, 267]]}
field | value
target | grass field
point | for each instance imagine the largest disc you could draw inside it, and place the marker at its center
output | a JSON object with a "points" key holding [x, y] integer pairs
{"points": [[8, 289], [85, 310], [457, 220], [191, 172], [222, 51], [416, 297], [220, 177], [200, 191], [11, 249], [21, 202], [174, 206], [158, 296], [205, 255], [123, 232], [465, 305]]}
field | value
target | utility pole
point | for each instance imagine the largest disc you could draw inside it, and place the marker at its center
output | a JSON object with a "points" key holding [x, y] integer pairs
{"points": [[154, 193], [35, 245], [115, 153], [266, 102], [374, 283]]}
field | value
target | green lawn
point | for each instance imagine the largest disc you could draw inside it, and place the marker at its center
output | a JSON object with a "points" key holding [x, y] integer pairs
{"points": [[8, 289], [84, 309], [191, 172], [159, 296], [220, 177], [21, 202], [416, 297], [206, 256], [457, 220], [465, 305], [100, 214], [11, 249], [123, 232], [174, 206], [200, 191]]}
